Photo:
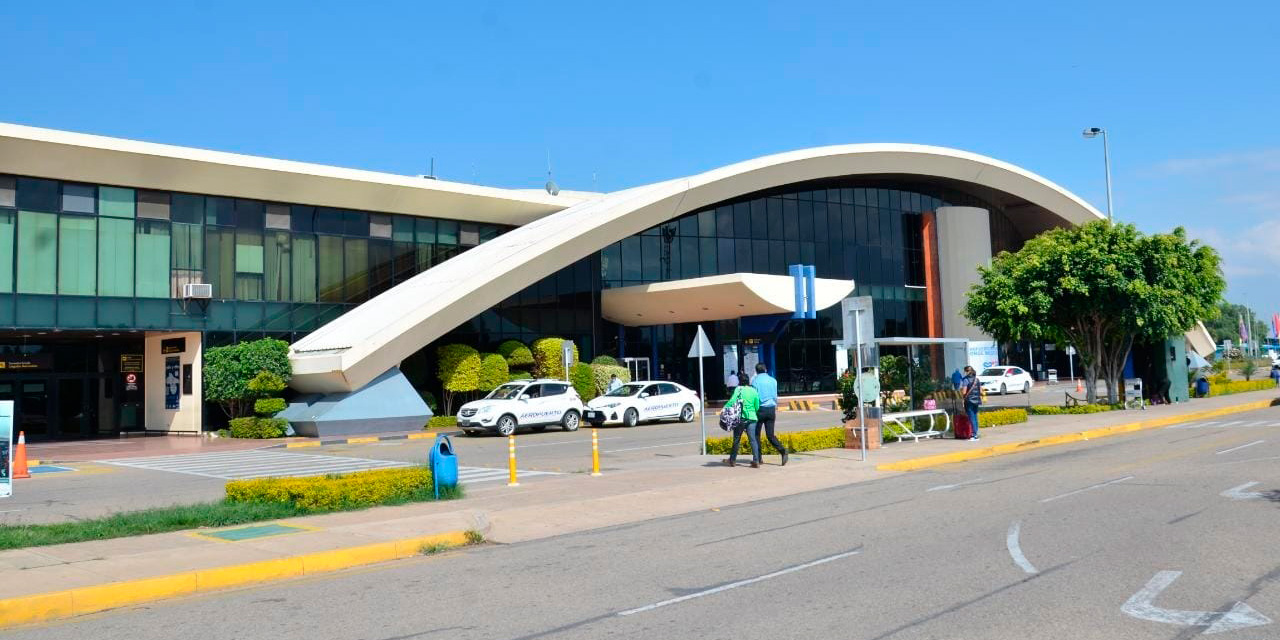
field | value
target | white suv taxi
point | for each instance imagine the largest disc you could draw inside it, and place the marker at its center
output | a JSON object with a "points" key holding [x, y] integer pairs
{"points": [[523, 403], [637, 401]]}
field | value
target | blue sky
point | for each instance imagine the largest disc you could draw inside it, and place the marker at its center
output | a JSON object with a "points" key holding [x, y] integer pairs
{"points": [[637, 92]]}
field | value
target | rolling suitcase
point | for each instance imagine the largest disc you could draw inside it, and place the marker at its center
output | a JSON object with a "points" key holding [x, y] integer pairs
{"points": [[961, 426]]}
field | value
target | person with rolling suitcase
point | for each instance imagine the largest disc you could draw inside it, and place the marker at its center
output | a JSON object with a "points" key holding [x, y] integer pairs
{"points": [[966, 426]]}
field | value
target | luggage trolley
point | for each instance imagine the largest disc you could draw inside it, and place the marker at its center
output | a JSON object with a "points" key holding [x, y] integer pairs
{"points": [[1133, 394]]}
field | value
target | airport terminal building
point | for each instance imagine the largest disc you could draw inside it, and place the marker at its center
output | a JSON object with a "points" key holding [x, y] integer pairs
{"points": [[120, 261]]}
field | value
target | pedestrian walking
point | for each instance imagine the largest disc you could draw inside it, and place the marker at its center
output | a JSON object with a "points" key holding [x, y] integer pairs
{"points": [[1275, 374], [972, 389], [749, 400], [956, 379], [767, 387], [731, 380]]}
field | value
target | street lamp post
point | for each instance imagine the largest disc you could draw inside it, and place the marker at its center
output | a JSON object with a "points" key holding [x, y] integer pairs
{"points": [[1106, 162]]}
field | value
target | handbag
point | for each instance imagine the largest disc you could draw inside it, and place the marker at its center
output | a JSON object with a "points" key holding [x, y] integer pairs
{"points": [[731, 416]]}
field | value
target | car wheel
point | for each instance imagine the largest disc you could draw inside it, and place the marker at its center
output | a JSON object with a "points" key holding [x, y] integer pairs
{"points": [[631, 418], [506, 425], [686, 414], [571, 420], [1004, 390], [1026, 387]]}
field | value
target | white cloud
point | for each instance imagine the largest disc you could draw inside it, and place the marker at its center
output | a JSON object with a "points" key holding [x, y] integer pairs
{"points": [[1261, 161], [1252, 251]]}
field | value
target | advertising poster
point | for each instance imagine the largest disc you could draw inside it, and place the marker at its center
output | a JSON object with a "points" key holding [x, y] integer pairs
{"points": [[983, 354], [6, 446], [172, 382]]}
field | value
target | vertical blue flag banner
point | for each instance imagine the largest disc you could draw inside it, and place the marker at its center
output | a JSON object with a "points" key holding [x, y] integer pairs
{"points": [[6, 446], [172, 382]]}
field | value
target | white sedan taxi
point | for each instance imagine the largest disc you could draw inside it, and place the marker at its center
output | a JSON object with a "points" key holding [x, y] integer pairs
{"points": [[1003, 379], [523, 403], [635, 402]]}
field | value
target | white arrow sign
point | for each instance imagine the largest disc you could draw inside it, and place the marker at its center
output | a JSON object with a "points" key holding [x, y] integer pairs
{"points": [[1239, 493], [1141, 605]]}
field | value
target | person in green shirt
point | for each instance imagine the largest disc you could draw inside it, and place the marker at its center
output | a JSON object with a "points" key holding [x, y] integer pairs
{"points": [[750, 399]]}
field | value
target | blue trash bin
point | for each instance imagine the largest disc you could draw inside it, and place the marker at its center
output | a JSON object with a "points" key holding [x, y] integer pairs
{"points": [[443, 463]]}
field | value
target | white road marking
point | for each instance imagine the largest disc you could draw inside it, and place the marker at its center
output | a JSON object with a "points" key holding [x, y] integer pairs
{"points": [[740, 583], [1240, 447], [1141, 605], [1091, 488], [1239, 493], [656, 446], [944, 487], [1015, 551]]}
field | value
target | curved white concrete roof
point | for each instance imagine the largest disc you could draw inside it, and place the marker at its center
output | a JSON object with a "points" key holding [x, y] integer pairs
{"points": [[66, 155], [708, 298], [358, 346]]}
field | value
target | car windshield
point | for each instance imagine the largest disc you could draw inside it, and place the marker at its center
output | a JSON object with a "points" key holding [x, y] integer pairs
{"points": [[506, 392], [993, 372], [626, 390]]}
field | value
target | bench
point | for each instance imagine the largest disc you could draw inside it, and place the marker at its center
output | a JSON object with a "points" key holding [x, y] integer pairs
{"points": [[901, 424]]}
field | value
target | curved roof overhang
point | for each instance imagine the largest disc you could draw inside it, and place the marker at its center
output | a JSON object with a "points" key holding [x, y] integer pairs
{"points": [[358, 346], [65, 155], [710, 298]]}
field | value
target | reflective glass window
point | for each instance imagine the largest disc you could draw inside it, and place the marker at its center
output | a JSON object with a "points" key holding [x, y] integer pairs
{"points": [[707, 223], [707, 256], [302, 218], [402, 228], [724, 222], [329, 269], [760, 256], [37, 194], [773, 210], [8, 227], [220, 261], [115, 202], [186, 208], [79, 198], [153, 205], [790, 220], [804, 216], [468, 234], [329, 220], [8, 191], [277, 217], [379, 266], [115, 257], [632, 261], [742, 220], [37, 251], [77, 255], [250, 214], [759, 220], [447, 232], [611, 263], [689, 226], [276, 280], [425, 230], [724, 255], [303, 276], [220, 211], [356, 273], [379, 225], [650, 249], [152, 262], [355, 223]]}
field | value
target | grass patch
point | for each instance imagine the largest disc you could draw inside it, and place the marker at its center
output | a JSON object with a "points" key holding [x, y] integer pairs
{"points": [[229, 511], [434, 548], [472, 538]]}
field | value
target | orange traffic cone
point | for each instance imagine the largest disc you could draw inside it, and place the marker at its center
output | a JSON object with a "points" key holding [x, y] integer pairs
{"points": [[20, 458], [1079, 386]]}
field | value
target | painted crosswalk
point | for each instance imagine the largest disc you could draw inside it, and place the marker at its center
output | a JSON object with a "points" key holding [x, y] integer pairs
{"points": [[1229, 424], [240, 465]]}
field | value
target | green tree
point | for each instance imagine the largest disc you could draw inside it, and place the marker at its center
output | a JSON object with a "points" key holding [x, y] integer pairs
{"points": [[1248, 368], [548, 361], [493, 372], [1098, 287], [1226, 325], [228, 370], [518, 356], [583, 380], [458, 367]]}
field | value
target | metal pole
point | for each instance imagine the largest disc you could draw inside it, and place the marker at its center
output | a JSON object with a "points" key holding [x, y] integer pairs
{"points": [[857, 344], [511, 462], [1106, 162], [702, 412], [911, 384], [595, 452], [1071, 363]]}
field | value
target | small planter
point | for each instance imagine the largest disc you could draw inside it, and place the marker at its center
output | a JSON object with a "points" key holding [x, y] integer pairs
{"points": [[852, 432]]}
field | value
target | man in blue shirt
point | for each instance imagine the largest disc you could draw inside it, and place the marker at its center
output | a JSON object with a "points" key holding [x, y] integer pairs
{"points": [[767, 387]]}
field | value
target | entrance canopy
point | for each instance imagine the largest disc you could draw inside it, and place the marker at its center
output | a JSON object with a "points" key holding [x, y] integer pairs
{"points": [[723, 297]]}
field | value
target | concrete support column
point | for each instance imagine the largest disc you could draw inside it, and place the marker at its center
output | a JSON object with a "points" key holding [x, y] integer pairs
{"points": [[186, 418], [964, 243]]}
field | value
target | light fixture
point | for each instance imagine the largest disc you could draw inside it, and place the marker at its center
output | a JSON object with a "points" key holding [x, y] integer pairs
{"points": [[1093, 132]]}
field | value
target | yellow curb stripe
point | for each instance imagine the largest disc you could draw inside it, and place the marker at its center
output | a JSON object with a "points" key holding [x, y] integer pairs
{"points": [[1101, 432], [299, 445], [44, 607], [362, 440], [420, 436]]}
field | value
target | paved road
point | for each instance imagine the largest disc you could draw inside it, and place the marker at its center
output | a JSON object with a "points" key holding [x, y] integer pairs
{"points": [[99, 488], [1155, 535]]}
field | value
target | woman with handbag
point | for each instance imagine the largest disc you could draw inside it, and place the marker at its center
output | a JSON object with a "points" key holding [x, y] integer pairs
{"points": [[749, 401]]}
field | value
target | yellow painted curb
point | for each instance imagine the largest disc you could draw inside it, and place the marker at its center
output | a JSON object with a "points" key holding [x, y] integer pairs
{"points": [[420, 436], [44, 607], [1026, 445], [299, 445], [362, 440]]}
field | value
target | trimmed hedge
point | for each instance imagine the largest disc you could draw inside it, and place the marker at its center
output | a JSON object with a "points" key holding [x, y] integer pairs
{"points": [[601, 373], [254, 427], [516, 353], [458, 367], [493, 372], [583, 380], [1001, 417], [605, 360], [794, 441], [442, 422], [268, 406], [547, 362], [519, 375], [337, 492], [1080, 409], [1238, 386]]}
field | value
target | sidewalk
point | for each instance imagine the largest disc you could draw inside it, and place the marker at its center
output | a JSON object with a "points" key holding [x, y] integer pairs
{"points": [[45, 583]]}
